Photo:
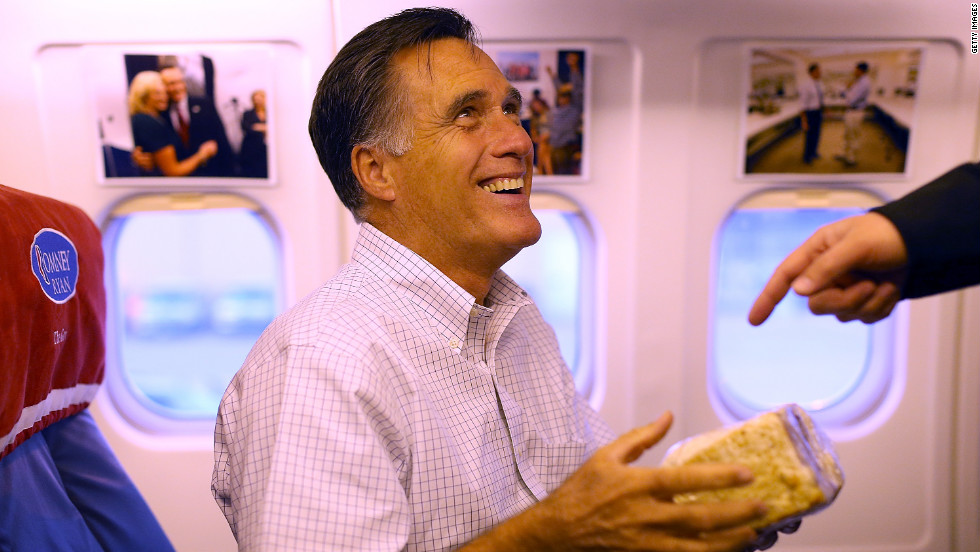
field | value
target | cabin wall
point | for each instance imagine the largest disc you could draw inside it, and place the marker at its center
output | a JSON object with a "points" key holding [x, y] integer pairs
{"points": [[664, 161]]}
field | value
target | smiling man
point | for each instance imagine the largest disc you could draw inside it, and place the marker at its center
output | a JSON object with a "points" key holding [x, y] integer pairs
{"points": [[418, 401], [458, 197]]}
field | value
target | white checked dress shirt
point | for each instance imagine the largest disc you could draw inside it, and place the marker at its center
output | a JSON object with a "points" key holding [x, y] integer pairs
{"points": [[386, 411], [811, 96], [857, 94]]}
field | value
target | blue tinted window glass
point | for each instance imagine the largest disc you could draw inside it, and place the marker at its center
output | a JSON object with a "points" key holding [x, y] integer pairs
{"points": [[814, 361], [550, 271], [193, 291]]}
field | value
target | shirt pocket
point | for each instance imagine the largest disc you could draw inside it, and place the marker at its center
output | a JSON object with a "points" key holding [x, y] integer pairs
{"points": [[554, 462]]}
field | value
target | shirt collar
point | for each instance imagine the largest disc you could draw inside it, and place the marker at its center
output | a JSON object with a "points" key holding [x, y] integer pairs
{"points": [[418, 280]]}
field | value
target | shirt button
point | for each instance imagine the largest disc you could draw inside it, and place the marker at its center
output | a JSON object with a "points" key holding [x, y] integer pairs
{"points": [[454, 343]]}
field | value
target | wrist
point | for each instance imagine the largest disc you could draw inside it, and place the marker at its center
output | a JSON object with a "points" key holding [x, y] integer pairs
{"points": [[532, 529]]}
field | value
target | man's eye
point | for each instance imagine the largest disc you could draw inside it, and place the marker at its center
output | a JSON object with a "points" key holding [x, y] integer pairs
{"points": [[512, 109], [466, 112]]}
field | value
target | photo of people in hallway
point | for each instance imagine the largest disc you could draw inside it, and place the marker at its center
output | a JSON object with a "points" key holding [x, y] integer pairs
{"points": [[830, 108], [553, 83]]}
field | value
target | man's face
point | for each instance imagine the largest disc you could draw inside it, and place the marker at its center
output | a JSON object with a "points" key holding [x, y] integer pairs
{"points": [[467, 140], [173, 79]]}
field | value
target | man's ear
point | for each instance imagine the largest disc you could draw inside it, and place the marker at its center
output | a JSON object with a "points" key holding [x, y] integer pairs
{"points": [[368, 165]]}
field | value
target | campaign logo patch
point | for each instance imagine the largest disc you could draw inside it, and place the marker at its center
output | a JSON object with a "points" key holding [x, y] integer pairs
{"points": [[54, 261]]}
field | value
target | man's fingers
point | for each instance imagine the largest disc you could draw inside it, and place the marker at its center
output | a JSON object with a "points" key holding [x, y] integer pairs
{"points": [[864, 300], [818, 277], [764, 304], [632, 444], [714, 541], [700, 518], [881, 304], [669, 481], [790, 527], [842, 301], [766, 541], [777, 286], [815, 265], [826, 268], [788, 275]]}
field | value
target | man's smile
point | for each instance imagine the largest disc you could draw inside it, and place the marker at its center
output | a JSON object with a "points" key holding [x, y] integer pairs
{"points": [[507, 186]]}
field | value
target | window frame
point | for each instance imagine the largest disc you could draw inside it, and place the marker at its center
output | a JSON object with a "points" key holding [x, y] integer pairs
{"points": [[589, 375], [876, 394], [134, 410]]}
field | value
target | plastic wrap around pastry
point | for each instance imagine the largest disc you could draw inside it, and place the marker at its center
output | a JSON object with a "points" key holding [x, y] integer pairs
{"points": [[796, 468]]}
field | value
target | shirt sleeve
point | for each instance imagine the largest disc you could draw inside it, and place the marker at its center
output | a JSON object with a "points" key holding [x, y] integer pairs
{"points": [[807, 95], [300, 461], [940, 224]]}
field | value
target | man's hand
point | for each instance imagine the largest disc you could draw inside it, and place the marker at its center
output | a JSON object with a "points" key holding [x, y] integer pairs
{"points": [[767, 539], [609, 505], [208, 149], [852, 268]]}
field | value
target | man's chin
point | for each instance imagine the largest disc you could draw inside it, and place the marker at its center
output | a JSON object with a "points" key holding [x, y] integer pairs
{"points": [[528, 236]]}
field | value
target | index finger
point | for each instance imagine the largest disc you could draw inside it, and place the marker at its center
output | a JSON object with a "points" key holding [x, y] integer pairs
{"points": [[781, 281]]}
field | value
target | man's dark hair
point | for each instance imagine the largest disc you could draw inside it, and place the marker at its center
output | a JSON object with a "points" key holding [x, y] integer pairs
{"points": [[863, 66], [359, 99], [813, 67]]}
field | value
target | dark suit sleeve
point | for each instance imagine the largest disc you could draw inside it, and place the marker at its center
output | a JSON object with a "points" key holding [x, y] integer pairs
{"points": [[940, 223], [206, 124]]}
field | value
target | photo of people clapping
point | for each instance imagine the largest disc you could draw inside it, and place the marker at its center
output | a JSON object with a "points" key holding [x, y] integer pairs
{"points": [[552, 82]]}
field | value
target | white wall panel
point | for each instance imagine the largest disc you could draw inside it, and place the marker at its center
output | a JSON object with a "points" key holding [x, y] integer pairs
{"points": [[665, 152]]}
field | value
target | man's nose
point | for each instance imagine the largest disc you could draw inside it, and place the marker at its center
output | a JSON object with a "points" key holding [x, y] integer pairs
{"points": [[510, 136]]}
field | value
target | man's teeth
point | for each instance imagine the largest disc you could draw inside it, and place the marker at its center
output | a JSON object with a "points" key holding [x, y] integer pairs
{"points": [[502, 185]]}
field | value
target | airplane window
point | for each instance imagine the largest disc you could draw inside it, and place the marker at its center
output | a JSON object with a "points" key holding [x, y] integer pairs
{"points": [[190, 291], [836, 371], [553, 272]]}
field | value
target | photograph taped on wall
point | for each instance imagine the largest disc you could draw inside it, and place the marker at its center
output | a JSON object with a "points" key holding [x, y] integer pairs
{"points": [[823, 110], [182, 115], [554, 80]]}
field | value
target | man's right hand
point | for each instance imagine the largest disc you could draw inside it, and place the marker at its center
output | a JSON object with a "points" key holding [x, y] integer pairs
{"points": [[853, 268], [208, 149], [609, 505]]}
